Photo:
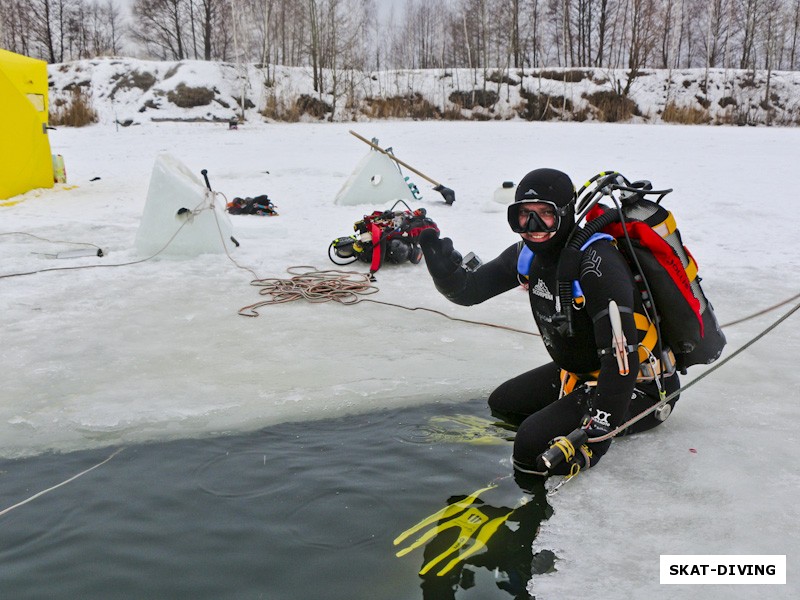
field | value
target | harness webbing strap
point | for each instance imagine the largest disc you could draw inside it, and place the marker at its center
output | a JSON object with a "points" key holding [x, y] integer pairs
{"points": [[645, 351], [622, 309], [667, 226], [376, 247], [570, 380], [648, 343], [524, 260], [691, 269], [642, 323]]}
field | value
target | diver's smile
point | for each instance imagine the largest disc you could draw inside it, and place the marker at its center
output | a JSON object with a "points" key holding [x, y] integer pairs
{"points": [[538, 236]]}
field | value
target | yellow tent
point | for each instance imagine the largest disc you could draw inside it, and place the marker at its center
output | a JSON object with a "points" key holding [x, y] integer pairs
{"points": [[25, 159]]}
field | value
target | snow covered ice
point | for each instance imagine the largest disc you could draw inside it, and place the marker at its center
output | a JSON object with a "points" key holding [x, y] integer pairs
{"points": [[156, 350]]}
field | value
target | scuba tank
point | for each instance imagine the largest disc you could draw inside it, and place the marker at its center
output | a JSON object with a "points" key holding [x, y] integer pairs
{"points": [[663, 268]]}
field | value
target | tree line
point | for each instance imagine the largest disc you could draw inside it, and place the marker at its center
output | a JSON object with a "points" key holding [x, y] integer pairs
{"points": [[478, 34]]}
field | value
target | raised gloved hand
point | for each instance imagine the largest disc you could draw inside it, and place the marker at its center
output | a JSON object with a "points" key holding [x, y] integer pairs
{"points": [[440, 256]]}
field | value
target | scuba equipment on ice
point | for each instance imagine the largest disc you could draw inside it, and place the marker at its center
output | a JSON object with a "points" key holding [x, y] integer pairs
{"points": [[260, 205], [383, 235], [663, 268]]}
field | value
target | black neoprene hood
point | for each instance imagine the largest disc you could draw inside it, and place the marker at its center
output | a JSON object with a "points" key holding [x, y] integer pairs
{"points": [[553, 186], [546, 184]]}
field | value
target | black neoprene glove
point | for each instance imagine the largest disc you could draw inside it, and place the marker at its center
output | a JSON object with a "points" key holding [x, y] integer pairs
{"points": [[440, 256], [594, 429]]}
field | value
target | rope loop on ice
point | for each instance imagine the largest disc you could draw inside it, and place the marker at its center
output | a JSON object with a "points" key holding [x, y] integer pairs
{"points": [[307, 283]]}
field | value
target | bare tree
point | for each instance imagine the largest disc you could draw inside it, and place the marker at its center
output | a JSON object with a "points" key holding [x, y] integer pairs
{"points": [[477, 34], [348, 29], [641, 39], [16, 26], [48, 20], [668, 16], [534, 40], [772, 35], [749, 20], [159, 25], [267, 11], [583, 14], [209, 13], [515, 39], [602, 25], [316, 66], [113, 17], [795, 29], [717, 32], [474, 15]]}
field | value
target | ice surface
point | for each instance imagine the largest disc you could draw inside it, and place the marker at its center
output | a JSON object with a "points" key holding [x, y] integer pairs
{"points": [[156, 350]]}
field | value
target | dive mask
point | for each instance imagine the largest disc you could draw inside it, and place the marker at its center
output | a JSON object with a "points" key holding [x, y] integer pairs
{"points": [[523, 217]]}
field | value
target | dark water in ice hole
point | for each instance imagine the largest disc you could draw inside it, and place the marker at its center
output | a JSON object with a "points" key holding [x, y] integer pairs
{"points": [[300, 510]]}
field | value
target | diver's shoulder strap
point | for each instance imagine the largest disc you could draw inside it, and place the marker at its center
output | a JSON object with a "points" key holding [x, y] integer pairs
{"points": [[524, 259]]}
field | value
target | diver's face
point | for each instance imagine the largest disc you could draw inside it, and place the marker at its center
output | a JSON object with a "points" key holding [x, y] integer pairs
{"points": [[547, 215]]}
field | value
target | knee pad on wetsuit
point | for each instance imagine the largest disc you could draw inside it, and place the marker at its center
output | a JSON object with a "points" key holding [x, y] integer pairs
{"points": [[645, 396]]}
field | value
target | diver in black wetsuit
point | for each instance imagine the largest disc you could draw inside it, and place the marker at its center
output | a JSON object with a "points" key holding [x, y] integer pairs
{"points": [[586, 384]]}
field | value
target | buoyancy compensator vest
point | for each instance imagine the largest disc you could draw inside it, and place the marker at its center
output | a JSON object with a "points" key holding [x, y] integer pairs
{"points": [[663, 268]]}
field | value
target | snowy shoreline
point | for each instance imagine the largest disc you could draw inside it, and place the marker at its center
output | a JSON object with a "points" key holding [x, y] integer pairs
{"points": [[131, 91]]}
